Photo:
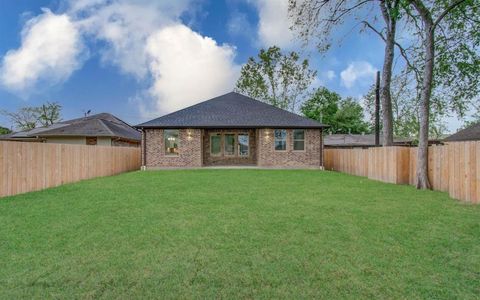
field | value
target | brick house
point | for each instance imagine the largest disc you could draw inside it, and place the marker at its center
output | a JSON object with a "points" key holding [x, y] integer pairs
{"points": [[232, 130]]}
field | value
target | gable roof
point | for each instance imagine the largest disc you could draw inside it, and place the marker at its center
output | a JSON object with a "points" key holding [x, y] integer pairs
{"points": [[103, 124], [232, 110], [471, 133]]}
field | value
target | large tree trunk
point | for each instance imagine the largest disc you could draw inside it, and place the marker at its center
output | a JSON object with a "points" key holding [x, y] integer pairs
{"points": [[386, 97], [422, 155], [385, 92]]}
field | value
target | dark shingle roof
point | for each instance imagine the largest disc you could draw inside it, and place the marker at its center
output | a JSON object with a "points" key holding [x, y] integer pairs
{"points": [[231, 110], [359, 140], [103, 124], [471, 133]]}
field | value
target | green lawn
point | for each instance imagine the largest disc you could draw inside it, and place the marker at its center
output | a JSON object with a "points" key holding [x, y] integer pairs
{"points": [[238, 234]]}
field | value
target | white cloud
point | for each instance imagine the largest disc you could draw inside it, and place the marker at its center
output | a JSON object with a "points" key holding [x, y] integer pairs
{"points": [[359, 70], [187, 67], [50, 51], [274, 24], [239, 25], [125, 26], [145, 39], [330, 74]]}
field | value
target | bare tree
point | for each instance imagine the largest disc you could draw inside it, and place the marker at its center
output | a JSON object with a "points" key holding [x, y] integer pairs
{"points": [[25, 118]]}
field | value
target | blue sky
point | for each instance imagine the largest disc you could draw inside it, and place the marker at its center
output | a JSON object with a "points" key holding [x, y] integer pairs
{"points": [[141, 59]]}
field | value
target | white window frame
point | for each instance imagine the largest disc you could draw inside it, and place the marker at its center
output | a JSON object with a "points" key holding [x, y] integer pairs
{"points": [[297, 140], [275, 140]]}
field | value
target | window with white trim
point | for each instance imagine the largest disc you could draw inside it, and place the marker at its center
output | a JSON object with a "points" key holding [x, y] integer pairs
{"points": [[298, 139], [280, 139]]}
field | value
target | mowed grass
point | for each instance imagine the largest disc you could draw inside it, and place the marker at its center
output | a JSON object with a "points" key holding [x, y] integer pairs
{"points": [[238, 234]]}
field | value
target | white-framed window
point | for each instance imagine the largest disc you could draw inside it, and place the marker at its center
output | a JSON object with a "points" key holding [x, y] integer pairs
{"points": [[229, 144], [299, 139], [215, 144], [171, 141], [280, 139], [243, 144]]}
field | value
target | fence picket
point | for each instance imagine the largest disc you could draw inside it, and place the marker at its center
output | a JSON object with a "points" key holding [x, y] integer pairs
{"points": [[29, 167], [452, 168]]}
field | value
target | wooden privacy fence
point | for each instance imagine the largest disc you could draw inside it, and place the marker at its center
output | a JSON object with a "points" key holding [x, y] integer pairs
{"points": [[26, 167], [452, 168]]}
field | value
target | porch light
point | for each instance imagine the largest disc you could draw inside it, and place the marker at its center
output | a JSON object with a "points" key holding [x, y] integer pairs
{"points": [[267, 133], [189, 134]]}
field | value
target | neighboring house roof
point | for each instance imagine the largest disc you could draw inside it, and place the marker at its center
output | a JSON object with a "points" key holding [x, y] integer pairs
{"points": [[359, 140], [104, 124], [471, 133], [6, 136], [231, 110], [367, 140]]}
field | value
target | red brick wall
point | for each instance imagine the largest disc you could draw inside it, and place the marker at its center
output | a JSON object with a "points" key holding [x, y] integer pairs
{"points": [[189, 150], [309, 158]]}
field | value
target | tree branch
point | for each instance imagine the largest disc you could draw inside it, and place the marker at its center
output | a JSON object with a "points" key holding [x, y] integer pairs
{"points": [[366, 23], [446, 11]]}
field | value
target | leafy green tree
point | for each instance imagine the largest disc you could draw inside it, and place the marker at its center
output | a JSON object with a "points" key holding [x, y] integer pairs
{"points": [[405, 104], [276, 78], [445, 55], [4, 130], [350, 117], [475, 117], [343, 115], [49, 113], [322, 106]]}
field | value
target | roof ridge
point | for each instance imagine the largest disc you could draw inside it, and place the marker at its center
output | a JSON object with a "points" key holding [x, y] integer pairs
{"points": [[188, 107], [118, 124], [102, 121]]}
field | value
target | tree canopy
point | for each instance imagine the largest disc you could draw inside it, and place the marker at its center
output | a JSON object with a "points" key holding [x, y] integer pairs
{"points": [[4, 130], [405, 105], [280, 79], [342, 115]]}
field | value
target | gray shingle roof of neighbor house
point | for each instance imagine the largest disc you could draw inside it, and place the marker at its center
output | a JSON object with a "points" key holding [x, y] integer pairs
{"points": [[358, 140], [367, 140], [103, 124], [471, 133], [232, 110]]}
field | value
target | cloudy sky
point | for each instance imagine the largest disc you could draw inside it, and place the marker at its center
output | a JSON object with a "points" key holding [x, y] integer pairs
{"points": [[139, 59]]}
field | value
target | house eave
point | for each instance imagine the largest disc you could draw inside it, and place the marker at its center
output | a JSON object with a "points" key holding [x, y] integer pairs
{"points": [[235, 127]]}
